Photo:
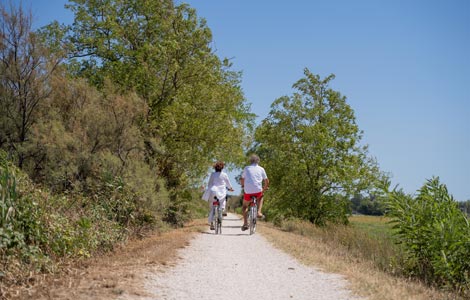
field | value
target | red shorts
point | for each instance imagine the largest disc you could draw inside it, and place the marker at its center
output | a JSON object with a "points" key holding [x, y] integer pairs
{"points": [[247, 197]]}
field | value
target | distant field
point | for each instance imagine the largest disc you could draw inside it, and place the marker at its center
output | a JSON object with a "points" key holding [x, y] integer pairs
{"points": [[376, 226]]}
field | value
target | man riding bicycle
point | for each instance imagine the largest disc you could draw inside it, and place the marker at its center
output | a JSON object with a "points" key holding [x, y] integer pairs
{"points": [[254, 182]]}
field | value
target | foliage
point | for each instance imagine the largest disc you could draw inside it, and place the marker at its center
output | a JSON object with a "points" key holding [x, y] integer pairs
{"points": [[465, 207], [196, 110], [311, 152], [39, 229], [368, 205], [435, 235], [85, 134]]}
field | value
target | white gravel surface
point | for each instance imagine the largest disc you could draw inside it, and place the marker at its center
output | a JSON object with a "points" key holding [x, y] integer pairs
{"points": [[235, 265]]}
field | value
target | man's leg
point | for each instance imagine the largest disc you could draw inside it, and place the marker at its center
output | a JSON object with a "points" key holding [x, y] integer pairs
{"points": [[260, 206], [245, 212]]}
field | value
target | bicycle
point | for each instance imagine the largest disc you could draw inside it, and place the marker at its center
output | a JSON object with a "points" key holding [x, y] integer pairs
{"points": [[217, 214], [253, 214]]}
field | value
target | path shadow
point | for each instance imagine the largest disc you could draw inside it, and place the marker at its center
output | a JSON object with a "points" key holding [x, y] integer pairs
{"points": [[210, 233], [235, 234], [228, 234]]}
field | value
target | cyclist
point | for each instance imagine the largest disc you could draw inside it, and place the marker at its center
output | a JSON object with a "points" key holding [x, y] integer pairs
{"points": [[218, 184], [254, 182]]}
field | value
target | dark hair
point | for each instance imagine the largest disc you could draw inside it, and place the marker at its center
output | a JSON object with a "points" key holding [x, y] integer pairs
{"points": [[218, 166]]}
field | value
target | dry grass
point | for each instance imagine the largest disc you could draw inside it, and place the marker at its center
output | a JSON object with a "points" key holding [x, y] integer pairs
{"points": [[111, 274], [324, 249]]}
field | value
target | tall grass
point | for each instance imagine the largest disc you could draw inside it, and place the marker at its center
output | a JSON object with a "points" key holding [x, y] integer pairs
{"points": [[369, 240]]}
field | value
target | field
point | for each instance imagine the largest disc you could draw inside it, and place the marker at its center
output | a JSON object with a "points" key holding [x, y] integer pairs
{"points": [[374, 225]]}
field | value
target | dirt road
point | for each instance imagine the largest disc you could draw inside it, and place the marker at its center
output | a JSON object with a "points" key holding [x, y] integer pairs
{"points": [[235, 265]]}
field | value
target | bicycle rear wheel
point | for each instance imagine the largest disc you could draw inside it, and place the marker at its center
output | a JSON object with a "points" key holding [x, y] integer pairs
{"points": [[218, 222], [253, 212]]}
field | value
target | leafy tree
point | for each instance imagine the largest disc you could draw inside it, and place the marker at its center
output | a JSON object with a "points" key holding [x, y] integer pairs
{"points": [[465, 207], [25, 68], [196, 109], [310, 144], [368, 205]]}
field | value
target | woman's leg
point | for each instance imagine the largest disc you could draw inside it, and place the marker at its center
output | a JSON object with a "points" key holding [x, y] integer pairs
{"points": [[223, 203]]}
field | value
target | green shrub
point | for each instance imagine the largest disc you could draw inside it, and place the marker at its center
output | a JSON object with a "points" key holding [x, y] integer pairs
{"points": [[38, 229], [435, 235]]}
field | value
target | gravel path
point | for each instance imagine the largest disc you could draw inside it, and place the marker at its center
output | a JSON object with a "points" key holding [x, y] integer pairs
{"points": [[224, 266]]}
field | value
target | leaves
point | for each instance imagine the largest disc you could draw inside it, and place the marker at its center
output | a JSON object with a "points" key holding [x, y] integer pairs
{"points": [[435, 233]]}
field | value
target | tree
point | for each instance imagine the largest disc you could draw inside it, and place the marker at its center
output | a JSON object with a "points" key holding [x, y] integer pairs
{"points": [[465, 207], [25, 68], [196, 111], [368, 205], [310, 144], [162, 51]]}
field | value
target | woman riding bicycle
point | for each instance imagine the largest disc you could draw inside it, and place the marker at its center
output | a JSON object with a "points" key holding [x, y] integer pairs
{"points": [[218, 185]]}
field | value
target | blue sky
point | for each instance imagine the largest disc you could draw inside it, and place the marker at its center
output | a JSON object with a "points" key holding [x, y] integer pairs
{"points": [[404, 66]]}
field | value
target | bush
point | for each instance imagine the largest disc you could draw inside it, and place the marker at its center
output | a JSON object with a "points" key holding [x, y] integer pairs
{"points": [[39, 229], [435, 235]]}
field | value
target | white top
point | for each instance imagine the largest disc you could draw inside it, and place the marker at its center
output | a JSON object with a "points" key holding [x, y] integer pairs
{"points": [[254, 176], [218, 183]]}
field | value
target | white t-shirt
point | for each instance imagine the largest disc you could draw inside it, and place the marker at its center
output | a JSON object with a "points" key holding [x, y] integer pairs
{"points": [[218, 183], [254, 176]]}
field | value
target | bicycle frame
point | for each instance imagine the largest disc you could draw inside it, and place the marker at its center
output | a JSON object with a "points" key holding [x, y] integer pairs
{"points": [[217, 213]]}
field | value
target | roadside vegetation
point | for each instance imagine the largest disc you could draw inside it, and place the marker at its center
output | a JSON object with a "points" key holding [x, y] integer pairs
{"points": [[419, 250], [435, 236], [352, 252]]}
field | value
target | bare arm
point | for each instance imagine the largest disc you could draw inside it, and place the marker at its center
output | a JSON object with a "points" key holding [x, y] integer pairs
{"points": [[266, 184]]}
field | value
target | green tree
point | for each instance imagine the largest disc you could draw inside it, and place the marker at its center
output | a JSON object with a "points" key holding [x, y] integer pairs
{"points": [[195, 109], [162, 51], [310, 144], [465, 207]]}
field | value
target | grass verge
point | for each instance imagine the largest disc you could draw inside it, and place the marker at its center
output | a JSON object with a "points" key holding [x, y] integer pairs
{"points": [[113, 274], [363, 253]]}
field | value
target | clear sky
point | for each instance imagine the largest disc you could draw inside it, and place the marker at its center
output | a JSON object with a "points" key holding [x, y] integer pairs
{"points": [[403, 64]]}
